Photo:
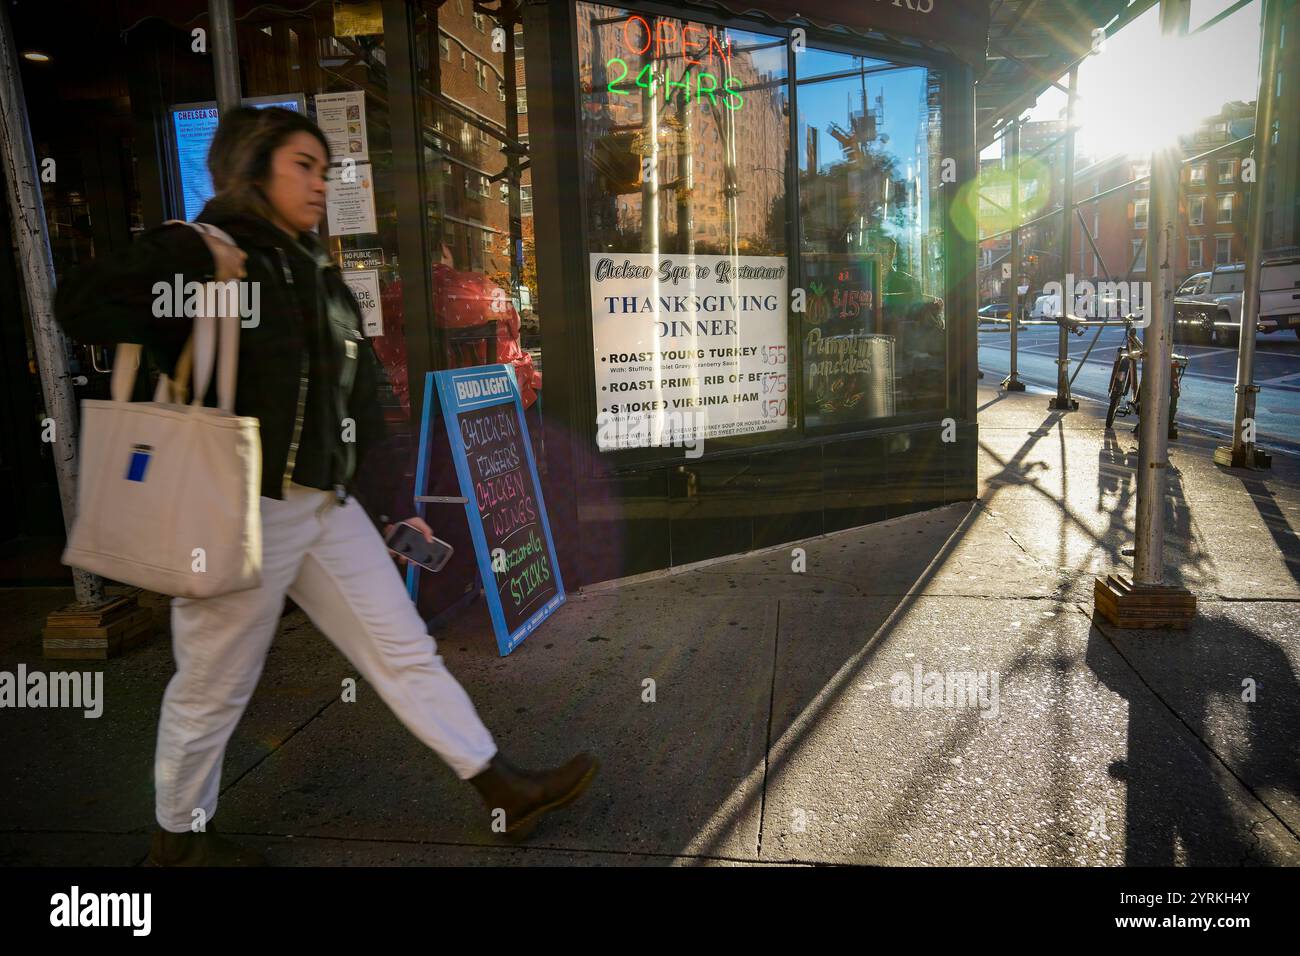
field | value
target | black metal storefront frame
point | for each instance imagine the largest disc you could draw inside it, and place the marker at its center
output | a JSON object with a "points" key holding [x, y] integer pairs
{"points": [[664, 486], [657, 509]]}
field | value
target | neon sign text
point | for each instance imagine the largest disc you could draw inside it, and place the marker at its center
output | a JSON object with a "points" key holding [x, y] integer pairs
{"points": [[700, 84], [667, 40]]}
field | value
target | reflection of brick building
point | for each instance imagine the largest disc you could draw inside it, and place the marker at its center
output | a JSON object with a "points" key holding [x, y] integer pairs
{"points": [[474, 211], [702, 125], [1211, 204], [1117, 220], [1212, 196]]}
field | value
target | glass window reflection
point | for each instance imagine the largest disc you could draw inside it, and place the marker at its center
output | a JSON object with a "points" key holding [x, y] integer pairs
{"points": [[873, 335]]}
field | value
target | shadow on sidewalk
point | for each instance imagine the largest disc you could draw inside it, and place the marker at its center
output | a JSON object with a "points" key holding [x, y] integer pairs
{"points": [[1202, 676], [806, 683], [846, 653], [1190, 563], [1285, 537]]}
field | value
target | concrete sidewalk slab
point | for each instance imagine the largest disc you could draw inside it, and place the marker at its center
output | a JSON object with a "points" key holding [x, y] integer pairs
{"points": [[1228, 533], [1044, 776], [578, 684], [308, 851], [1234, 681], [775, 736], [68, 772]]}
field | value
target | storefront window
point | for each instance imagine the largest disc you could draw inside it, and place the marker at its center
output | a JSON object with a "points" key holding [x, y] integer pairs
{"points": [[685, 138], [873, 338], [483, 277], [336, 69]]}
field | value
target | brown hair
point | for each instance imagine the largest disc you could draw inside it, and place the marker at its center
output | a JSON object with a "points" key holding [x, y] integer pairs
{"points": [[240, 156]]}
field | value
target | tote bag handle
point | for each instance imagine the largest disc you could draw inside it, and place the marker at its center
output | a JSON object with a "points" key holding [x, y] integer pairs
{"points": [[215, 337]]}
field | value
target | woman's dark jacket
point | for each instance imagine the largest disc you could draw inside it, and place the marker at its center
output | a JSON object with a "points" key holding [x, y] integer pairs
{"points": [[305, 367]]}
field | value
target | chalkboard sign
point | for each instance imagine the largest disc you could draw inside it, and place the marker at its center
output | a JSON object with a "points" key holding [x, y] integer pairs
{"points": [[507, 517], [848, 363]]}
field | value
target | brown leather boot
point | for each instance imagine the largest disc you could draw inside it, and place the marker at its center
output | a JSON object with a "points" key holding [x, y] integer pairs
{"points": [[527, 795], [200, 849]]}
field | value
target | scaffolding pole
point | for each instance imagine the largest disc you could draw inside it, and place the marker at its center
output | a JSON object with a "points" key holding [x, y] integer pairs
{"points": [[508, 18], [1153, 449], [1012, 382], [1063, 402], [225, 55], [1243, 453], [1157, 347], [1146, 601], [36, 262]]}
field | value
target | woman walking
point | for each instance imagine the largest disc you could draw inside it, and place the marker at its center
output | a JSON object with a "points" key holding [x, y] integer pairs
{"points": [[304, 371]]}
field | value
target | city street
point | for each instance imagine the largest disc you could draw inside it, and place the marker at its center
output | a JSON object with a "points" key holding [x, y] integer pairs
{"points": [[1206, 401]]}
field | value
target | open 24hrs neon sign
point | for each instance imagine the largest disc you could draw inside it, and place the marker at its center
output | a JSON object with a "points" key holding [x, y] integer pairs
{"points": [[697, 46]]}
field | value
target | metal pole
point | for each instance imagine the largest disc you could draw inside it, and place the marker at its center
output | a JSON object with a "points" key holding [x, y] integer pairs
{"points": [[732, 180], [1012, 382], [1062, 401], [508, 17], [1148, 561], [650, 171], [685, 185], [225, 55], [1153, 424], [35, 260], [1243, 452]]}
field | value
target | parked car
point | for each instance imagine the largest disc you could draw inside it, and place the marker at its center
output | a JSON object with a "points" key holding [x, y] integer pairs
{"points": [[994, 312], [1106, 304], [1046, 307], [1193, 285], [1188, 322], [1279, 295], [1213, 314]]}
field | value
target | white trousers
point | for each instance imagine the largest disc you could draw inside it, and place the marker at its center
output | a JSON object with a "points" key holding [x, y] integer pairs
{"points": [[332, 561]]}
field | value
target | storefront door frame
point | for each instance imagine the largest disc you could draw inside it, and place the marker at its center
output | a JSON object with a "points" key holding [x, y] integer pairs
{"points": [[413, 243]]}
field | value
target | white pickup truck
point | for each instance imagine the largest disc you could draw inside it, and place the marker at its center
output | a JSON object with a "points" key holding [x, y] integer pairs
{"points": [[1211, 312]]}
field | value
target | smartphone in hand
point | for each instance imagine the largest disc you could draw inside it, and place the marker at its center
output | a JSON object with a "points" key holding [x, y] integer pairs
{"points": [[408, 542]]}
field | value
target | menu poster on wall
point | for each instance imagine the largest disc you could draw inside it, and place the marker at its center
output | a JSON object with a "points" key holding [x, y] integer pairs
{"points": [[364, 284], [192, 131], [507, 516], [351, 205], [342, 118], [192, 127], [688, 347]]}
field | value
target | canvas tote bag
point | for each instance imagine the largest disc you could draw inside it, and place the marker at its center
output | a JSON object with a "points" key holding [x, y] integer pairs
{"points": [[168, 493]]}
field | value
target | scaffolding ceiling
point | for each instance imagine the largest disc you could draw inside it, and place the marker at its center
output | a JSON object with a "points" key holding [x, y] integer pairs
{"points": [[1031, 44]]}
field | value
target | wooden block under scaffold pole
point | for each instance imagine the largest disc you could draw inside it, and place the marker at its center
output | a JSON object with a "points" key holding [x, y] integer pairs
{"points": [[1125, 604], [98, 632]]}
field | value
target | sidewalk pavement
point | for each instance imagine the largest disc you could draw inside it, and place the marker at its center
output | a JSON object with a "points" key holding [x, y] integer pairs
{"points": [[775, 734]]}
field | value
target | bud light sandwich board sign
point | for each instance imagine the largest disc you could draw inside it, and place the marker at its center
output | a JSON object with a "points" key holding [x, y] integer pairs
{"points": [[507, 516]]}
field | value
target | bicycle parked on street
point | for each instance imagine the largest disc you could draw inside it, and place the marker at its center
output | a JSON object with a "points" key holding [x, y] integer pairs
{"points": [[1126, 389]]}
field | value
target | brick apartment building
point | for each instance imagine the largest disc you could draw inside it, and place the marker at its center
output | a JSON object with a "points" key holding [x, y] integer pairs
{"points": [[1211, 204], [476, 212], [1213, 189], [1212, 200]]}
